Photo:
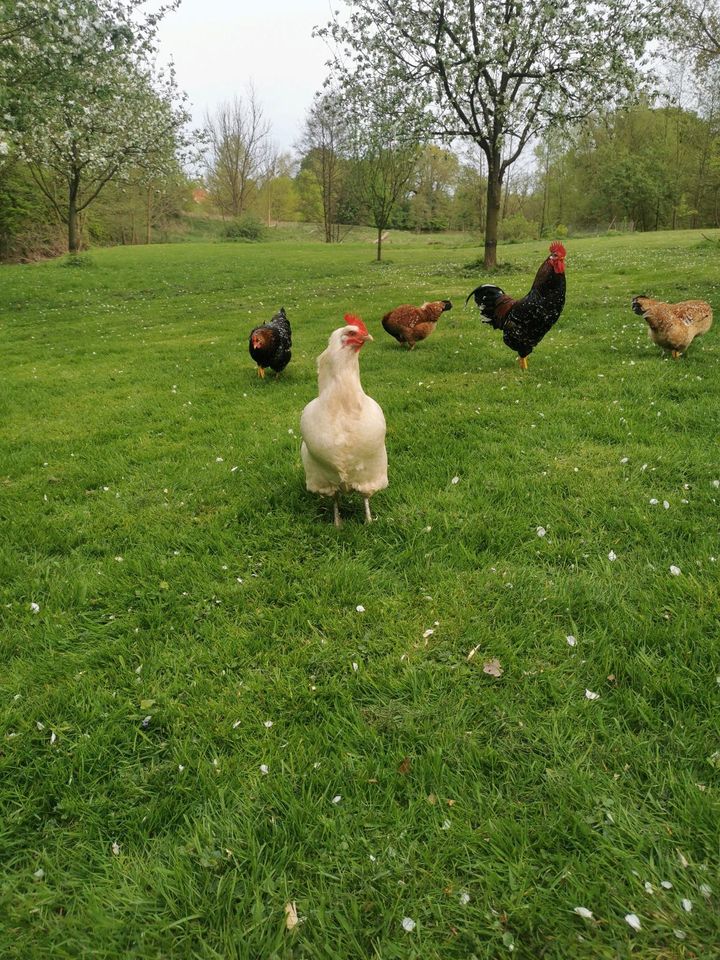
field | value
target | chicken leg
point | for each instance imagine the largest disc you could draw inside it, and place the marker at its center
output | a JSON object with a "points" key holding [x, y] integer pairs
{"points": [[368, 515], [523, 363], [336, 510], [261, 372], [676, 354]]}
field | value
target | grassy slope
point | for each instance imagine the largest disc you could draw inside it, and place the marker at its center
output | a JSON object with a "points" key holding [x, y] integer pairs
{"points": [[213, 599]]}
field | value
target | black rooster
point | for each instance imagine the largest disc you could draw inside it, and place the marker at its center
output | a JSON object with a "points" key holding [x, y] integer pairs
{"points": [[525, 322], [270, 344]]}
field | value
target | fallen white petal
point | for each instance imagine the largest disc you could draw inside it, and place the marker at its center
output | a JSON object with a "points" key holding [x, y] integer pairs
{"points": [[337, 798], [267, 723], [408, 924], [675, 571], [446, 825], [590, 695], [666, 504], [264, 768], [666, 885], [428, 633], [583, 912], [541, 531], [612, 556], [705, 890], [687, 905], [464, 898], [624, 459], [654, 501], [360, 608], [455, 480], [633, 920], [571, 641], [291, 917], [115, 848], [649, 888], [355, 667], [35, 607]]}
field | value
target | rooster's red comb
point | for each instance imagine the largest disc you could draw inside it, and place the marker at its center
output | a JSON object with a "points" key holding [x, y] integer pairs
{"points": [[352, 321], [557, 248]]}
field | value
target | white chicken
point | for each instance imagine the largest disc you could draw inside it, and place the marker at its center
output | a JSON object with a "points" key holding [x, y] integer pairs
{"points": [[343, 429]]}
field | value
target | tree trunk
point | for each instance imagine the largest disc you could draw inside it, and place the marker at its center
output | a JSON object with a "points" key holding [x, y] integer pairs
{"points": [[73, 232], [148, 219], [379, 243], [494, 196]]}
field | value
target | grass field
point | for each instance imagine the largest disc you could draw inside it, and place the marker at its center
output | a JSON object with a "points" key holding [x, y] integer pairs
{"points": [[200, 727]]}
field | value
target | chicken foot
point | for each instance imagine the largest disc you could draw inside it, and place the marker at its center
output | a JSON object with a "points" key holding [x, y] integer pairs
{"points": [[261, 372], [523, 363]]}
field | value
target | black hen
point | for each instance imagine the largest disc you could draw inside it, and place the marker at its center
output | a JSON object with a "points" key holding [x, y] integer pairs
{"points": [[270, 344], [525, 322]]}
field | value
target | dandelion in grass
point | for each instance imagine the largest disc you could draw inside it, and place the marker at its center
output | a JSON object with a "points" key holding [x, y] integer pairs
{"points": [[633, 921], [583, 912], [408, 924]]}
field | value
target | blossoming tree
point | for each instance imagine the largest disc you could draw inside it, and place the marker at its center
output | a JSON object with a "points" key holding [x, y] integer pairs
{"points": [[83, 104], [498, 73]]}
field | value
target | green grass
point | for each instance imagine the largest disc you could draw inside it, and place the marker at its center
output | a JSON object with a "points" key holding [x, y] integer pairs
{"points": [[153, 506]]}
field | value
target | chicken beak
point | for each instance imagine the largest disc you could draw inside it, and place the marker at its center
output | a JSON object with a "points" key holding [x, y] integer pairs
{"points": [[369, 336]]}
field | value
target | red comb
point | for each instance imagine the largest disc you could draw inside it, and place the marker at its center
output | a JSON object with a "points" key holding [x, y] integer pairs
{"points": [[557, 248], [354, 321]]}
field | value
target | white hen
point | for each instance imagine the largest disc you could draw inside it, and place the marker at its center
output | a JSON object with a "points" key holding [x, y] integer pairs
{"points": [[343, 429]]}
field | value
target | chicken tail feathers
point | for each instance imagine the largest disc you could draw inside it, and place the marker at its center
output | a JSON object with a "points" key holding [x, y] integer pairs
{"points": [[494, 304]]}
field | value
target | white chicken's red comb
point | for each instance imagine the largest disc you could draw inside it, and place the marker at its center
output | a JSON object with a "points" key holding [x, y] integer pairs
{"points": [[352, 321], [557, 248]]}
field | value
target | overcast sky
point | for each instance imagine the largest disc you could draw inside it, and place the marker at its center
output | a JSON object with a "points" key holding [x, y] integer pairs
{"points": [[219, 46]]}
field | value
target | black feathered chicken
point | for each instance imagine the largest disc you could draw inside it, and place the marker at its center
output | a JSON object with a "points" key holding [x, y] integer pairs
{"points": [[525, 322], [270, 344]]}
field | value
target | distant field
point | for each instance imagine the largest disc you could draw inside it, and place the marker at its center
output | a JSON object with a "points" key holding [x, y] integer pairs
{"points": [[177, 614]]}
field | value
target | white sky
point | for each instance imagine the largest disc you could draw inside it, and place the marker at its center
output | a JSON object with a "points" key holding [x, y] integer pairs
{"points": [[219, 46]]}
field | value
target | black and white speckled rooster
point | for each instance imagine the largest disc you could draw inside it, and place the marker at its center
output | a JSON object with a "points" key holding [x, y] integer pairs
{"points": [[525, 322], [270, 344]]}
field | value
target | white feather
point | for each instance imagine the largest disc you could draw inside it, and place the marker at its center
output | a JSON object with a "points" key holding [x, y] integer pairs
{"points": [[343, 429]]}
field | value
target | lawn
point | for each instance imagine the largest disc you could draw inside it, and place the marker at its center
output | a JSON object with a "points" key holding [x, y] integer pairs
{"points": [[200, 722]]}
